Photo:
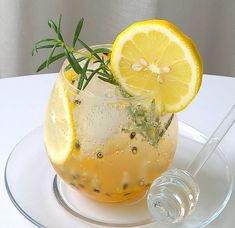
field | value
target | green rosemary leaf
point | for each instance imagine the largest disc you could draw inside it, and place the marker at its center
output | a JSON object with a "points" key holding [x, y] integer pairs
{"points": [[92, 70], [162, 131], [45, 46], [51, 54], [102, 50], [72, 60], [152, 112], [88, 48], [84, 69], [78, 31], [52, 59], [106, 75], [90, 77], [105, 71], [108, 80], [46, 40], [58, 28], [37, 44], [166, 125], [85, 46], [83, 75], [104, 79], [68, 67], [169, 121], [108, 61], [52, 24], [78, 60]]}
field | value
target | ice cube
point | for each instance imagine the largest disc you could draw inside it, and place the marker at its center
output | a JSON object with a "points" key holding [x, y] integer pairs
{"points": [[97, 117]]}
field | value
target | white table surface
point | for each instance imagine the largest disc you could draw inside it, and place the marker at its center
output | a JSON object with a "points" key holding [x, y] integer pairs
{"points": [[22, 105]]}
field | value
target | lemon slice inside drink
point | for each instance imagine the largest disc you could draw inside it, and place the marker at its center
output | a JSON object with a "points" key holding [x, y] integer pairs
{"points": [[155, 57], [59, 131]]}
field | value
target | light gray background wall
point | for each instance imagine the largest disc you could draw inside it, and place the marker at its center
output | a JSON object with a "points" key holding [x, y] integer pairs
{"points": [[211, 24]]}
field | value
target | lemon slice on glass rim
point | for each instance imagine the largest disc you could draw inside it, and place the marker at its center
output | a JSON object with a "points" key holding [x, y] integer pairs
{"points": [[155, 57], [59, 129]]}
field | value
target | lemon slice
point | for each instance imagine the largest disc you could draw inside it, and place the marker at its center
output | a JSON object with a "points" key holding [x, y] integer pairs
{"points": [[155, 57], [59, 130]]}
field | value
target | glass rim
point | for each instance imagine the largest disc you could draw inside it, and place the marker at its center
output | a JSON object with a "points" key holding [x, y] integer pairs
{"points": [[74, 89]]}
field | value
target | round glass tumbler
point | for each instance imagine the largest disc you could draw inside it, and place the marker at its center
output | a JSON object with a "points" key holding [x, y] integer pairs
{"points": [[103, 142]]}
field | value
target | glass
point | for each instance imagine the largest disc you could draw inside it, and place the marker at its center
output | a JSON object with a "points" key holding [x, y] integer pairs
{"points": [[122, 145]]}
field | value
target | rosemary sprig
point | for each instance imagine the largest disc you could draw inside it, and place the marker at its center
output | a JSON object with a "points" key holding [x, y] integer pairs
{"points": [[77, 63], [77, 31], [147, 122]]}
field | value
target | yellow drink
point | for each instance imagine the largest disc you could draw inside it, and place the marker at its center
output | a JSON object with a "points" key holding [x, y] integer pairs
{"points": [[120, 144]]}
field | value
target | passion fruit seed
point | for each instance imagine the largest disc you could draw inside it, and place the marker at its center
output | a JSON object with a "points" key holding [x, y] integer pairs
{"points": [[96, 190], [134, 149], [125, 186], [132, 135], [77, 145], [77, 101], [99, 155]]}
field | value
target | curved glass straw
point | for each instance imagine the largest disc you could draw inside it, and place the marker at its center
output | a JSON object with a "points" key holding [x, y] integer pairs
{"points": [[174, 195]]}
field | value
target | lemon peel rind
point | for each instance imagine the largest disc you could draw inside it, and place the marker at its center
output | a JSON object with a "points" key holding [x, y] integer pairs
{"points": [[62, 156]]}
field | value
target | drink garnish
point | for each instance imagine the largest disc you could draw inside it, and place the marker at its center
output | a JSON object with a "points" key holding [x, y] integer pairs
{"points": [[70, 52]]}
